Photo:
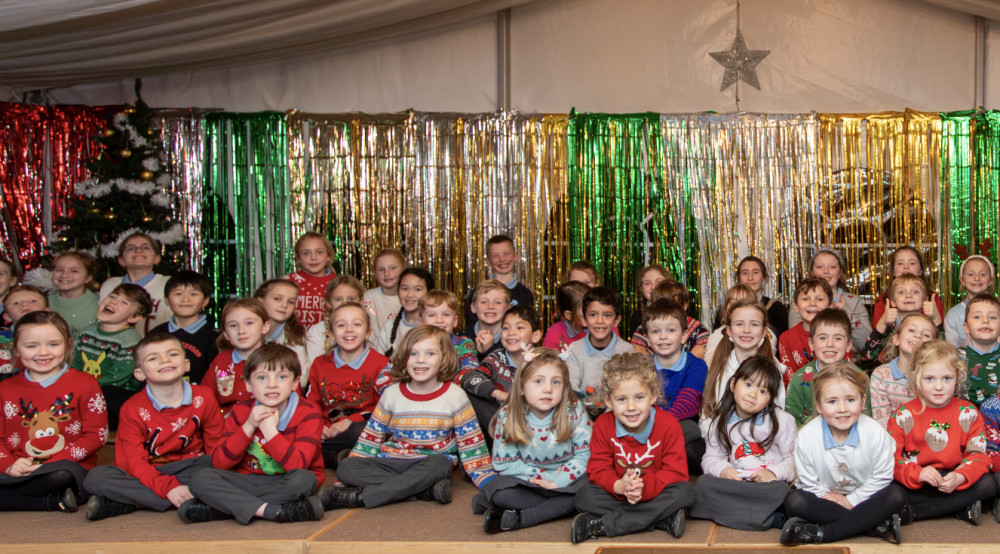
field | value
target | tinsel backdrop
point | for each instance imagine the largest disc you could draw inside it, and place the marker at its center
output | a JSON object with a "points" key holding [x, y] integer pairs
{"points": [[694, 192]]}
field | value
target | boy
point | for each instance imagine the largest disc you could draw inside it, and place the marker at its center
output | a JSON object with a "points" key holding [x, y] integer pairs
{"points": [[187, 294], [137, 254], [982, 326], [695, 334], [682, 373], [20, 300], [637, 475], [164, 436], [490, 300], [273, 442], [104, 348], [830, 340], [586, 357], [811, 297], [8, 278], [501, 256]]}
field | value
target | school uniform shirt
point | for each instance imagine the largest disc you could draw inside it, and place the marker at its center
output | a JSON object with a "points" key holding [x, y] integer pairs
{"points": [[586, 366], [296, 446], [889, 389], [657, 450], [854, 307], [225, 378], [380, 306], [544, 456], [151, 433], [695, 334], [683, 384], [345, 390], [495, 373], [154, 284], [108, 356], [560, 335], [199, 342], [310, 307], [78, 312], [794, 350], [746, 455], [857, 468], [66, 418], [949, 438], [984, 367]]}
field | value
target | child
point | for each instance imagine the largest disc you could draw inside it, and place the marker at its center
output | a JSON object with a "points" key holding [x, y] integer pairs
{"points": [[812, 296], [314, 256], [164, 436], [280, 298], [339, 291], [748, 459], [273, 444], [188, 294], [413, 285], [584, 272], [342, 383], [941, 455], [890, 383], [541, 444], [20, 301], [502, 257], [637, 475], [735, 293], [570, 325], [383, 301], [906, 260], [73, 277], [8, 278], [829, 266], [137, 254], [490, 300], [244, 326], [752, 272], [586, 358], [489, 384], [908, 295], [695, 334], [976, 274], [982, 327], [104, 349], [843, 460], [423, 425], [439, 309], [649, 277], [53, 423], [830, 339]]}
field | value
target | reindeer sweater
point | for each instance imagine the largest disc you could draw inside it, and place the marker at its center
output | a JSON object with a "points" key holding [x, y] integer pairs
{"points": [[949, 438], [225, 378], [561, 462], [108, 356], [68, 419], [148, 436], [347, 390], [661, 457], [310, 308]]}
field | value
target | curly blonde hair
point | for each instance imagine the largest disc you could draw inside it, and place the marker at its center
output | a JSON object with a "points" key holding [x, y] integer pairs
{"points": [[632, 366], [933, 352]]}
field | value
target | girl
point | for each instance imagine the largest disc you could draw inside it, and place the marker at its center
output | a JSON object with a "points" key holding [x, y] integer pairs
{"points": [[747, 331], [844, 465], [584, 272], [569, 326], [314, 256], [541, 444], [748, 459], [75, 298], [940, 450], [279, 297], [244, 325], [413, 285], [908, 295], [736, 292], [383, 301], [906, 260], [340, 290], [976, 275], [752, 272], [342, 383], [890, 386], [828, 265], [53, 423], [649, 277], [423, 425]]}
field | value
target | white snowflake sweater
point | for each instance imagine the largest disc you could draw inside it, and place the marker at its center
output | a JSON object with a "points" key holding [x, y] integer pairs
{"points": [[546, 457]]}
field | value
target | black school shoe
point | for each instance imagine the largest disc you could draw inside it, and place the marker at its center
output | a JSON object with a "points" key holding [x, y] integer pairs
{"points": [[439, 492], [196, 511], [673, 524], [586, 526], [996, 510], [101, 507], [971, 513], [304, 509], [888, 530], [493, 521], [797, 531], [62, 502], [333, 498]]}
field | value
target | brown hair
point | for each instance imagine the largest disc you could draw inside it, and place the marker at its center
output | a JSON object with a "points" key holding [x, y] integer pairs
{"points": [[89, 265], [487, 286], [340, 280], [931, 352], [720, 358], [569, 297], [841, 281], [35, 319], [153, 338], [632, 366], [810, 284], [671, 290], [981, 299], [136, 295], [754, 259], [834, 317], [664, 308], [295, 334], [586, 267], [449, 360], [253, 305], [326, 246], [272, 357], [735, 293], [26, 288], [157, 247], [891, 350], [435, 298], [516, 429]]}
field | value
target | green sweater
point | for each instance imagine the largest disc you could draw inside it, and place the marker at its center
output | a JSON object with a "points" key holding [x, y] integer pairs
{"points": [[799, 401], [78, 312], [108, 356], [984, 369]]}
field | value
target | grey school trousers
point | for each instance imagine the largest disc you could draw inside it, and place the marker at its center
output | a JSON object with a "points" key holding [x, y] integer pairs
{"points": [[240, 494], [387, 480], [114, 483], [622, 518]]}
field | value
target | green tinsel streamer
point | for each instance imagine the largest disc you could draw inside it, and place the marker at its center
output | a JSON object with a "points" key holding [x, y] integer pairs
{"points": [[986, 194], [956, 178]]}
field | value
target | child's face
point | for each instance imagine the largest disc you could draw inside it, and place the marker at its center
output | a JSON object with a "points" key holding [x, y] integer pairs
{"points": [[501, 258], [982, 322], [186, 301], [162, 363], [515, 331], [665, 335], [279, 301], [746, 329], [543, 391], [443, 317], [912, 333], [342, 295], [810, 303], [601, 320], [826, 266], [750, 396], [490, 306], [387, 270], [976, 277], [138, 254], [829, 343], [313, 256], [649, 281], [118, 309], [840, 403], [272, 388], [350, 328], [937, 384], [908, 297], [23, 302], [752, 275], [42, 349], [585, 277], [245, 330], [424, 361], [631, 402], [411, 290], [7, 279], [69, 275], [906, 261]]}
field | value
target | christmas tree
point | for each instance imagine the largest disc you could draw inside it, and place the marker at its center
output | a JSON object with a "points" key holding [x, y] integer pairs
{"points": [[128, 192]]}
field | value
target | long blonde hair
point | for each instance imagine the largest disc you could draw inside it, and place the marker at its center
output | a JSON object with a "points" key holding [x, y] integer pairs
{"points": [[717, 365], [516, 429]]}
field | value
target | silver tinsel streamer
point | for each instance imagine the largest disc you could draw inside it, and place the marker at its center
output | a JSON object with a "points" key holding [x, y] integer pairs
{"points": [[183, 144]]}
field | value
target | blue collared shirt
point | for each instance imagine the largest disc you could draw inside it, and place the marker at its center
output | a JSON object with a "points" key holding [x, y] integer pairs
{"points": [[678, 365], [756, 420], [236, 357], [897, 374], [853, 438], [981, 353], [192, 329], [185, 400], [142, 282], [49, 381], [593, 350], [276, 332], [641, 436], [356, 364]]}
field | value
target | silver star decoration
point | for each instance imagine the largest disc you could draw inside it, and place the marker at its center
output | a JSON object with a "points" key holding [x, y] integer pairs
{"points": [[740, 63]]}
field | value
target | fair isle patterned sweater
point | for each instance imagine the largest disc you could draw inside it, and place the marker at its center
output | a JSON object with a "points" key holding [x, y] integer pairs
{"points": [[409, 426], [560, 462]]}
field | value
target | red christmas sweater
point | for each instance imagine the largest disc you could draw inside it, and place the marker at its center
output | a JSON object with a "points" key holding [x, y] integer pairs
{"points": [[794, 351], [661, 458], [346, 392], [311, 306], [949, 438], [225, 378], [67, 420], [297, 446], [148, 438]]}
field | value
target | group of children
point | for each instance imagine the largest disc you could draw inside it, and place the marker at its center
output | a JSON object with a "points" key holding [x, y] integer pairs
{"points": [[315, 372]]}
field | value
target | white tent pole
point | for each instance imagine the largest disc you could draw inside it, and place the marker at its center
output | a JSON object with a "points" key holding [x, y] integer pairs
{"points": [[980, 69], [503, 59]]}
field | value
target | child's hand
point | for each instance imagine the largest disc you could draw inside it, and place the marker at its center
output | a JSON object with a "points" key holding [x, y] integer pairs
{"points": [[633, 492], [499, 395], [838, 498], [336, 428], [763, 476], [178, 495], [730, 473], [544, 483], [22, 467], [838, 304], [269, 424], [930, 309], [950, 482], [888, 316], [484, 340], [931, 476]]}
